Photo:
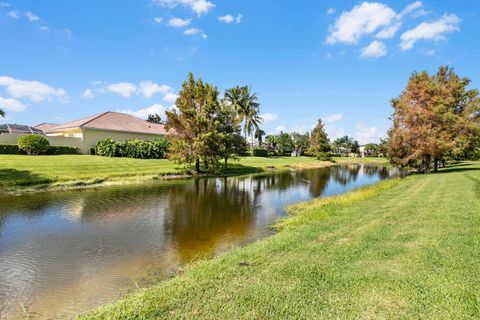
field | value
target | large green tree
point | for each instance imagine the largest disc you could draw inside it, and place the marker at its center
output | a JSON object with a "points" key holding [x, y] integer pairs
{"points": [[230, 143], [284, 143], [319, 143], [193, 124], [347, 143], [202, 129], [301, 143], [432, 118], [154, 118]]}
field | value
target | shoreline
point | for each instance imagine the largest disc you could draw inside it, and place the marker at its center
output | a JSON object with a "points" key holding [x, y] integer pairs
{"points": [[373, 238], [290, 221], [103, 182]]}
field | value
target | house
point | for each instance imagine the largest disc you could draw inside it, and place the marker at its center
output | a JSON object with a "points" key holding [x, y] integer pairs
{"points": [[85, 133], [9, 133], [19, 129]]}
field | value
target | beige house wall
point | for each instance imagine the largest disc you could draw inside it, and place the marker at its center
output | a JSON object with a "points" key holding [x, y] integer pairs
{"points": [[12, 138], [92, 136], [85, 140]]}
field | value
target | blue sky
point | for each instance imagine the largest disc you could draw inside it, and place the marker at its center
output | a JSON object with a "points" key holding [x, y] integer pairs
{"points": [[339, 60]]}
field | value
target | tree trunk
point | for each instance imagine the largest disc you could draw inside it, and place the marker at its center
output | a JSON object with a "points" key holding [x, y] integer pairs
{"points": [[426, 164], [226, 163], [435, 165], [197, 165]]}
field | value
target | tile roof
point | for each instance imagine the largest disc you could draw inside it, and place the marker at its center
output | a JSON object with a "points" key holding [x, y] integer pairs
{"points": [[114, 121], [46, 126]]}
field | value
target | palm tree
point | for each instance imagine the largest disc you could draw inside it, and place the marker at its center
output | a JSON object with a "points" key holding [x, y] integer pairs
{"points": [[2, 113], [259, 133], [246, 105]]}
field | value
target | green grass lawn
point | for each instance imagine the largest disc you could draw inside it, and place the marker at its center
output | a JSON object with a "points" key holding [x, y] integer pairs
{"points": [[401, 249], [18, 172]]}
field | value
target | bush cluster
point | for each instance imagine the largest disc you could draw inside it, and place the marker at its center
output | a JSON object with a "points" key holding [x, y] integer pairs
{"points": [[33, 144], [139, 149], [58, 150], [9, 149], [259, 152], [52, 150]]}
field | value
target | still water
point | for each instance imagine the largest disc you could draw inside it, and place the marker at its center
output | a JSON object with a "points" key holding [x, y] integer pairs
{"points": [[64, 253]]}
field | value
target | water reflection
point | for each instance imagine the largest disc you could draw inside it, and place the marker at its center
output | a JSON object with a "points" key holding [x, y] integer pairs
{"points": [[67, 252]]}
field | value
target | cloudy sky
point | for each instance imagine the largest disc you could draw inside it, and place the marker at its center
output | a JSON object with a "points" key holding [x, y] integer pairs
{"points": [[339, 60]]}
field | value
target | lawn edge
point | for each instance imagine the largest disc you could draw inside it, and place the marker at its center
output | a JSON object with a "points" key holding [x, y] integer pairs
{"points": [[299, 214], [102, 182]]}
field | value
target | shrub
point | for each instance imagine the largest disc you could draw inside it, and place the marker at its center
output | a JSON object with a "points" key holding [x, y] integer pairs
{"points": [[33, 144], [52, 150], [138, 149], [9, 149], [108, 148], [324, 156], [259, 152], [58, 150]]}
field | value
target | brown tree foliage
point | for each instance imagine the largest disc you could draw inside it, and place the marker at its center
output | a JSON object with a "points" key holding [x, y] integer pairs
{"points": [[434, 117]]}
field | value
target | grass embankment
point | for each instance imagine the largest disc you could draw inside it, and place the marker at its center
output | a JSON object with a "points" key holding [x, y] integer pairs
{"points": [[401, 249], [24, 173]]}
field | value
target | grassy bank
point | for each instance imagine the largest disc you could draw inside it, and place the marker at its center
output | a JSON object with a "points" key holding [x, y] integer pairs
{"points": [[23, 173], [400, 249]]}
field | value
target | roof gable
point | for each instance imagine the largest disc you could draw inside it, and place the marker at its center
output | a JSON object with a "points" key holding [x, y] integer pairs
{"points": [[113, 121]]}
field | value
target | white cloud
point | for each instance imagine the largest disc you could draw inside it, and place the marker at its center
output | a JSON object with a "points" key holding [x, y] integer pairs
{"points": [[157, 19], [429, 31], [375, 49], [365, 134], [44, 28], [410, 8], [170, 97], [198, 6], [143, 113], [269, 117], [362, 20], [195, 31], [31, 17], [11, 105], [179, 23], [4, 5], [13, 14], [33, 90], [149, 88], [125, 89], [88, 93], [230, 19], [331, 11], [389, 32], [334, 132], [333, 118]]}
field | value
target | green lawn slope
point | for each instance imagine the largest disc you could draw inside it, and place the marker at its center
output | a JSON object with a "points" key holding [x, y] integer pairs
{"points": [[401, 249]]}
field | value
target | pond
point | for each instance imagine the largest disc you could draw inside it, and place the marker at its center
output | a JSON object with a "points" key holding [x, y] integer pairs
{"points": [[63, 253]]}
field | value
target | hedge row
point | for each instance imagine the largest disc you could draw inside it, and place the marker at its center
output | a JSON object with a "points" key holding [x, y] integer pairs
{"points": [[139, 149], [52, 150], [259, 152]]}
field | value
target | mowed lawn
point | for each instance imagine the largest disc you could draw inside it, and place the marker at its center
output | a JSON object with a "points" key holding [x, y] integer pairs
{"points": [[19, 172], [401, 249]]}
